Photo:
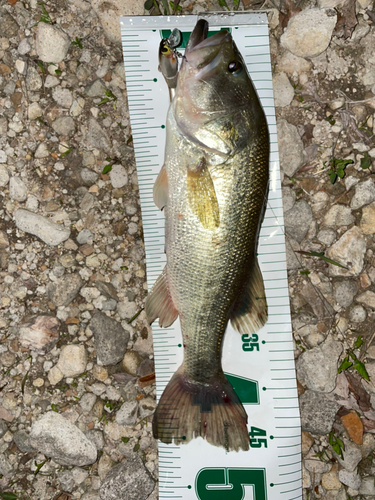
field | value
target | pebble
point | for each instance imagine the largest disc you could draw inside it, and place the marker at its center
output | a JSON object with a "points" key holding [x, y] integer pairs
{"points": [[350, 478], [297, 220], [55, 375], [354, 427], [62, 97], [326, 236], [282, 90], [64, 290], [77, 106], [4, 176], [111, 339], [348, 251], [17, 189], [64, 125], [290, 148], [73, 360], [42, 151], [127, 414], [357, 314], [129, 480], [352, 455], [95, 89], [127, 309], [367, 223], [344, 292], [367, 298], [97, 137], [325, 356], [87, 401], [317, 412], [309, 32], [51, 81], [52, 44], [131, 362], [364, 194], [39, 334], [34, 111], [330, 480], [57, 438], [108, 13], [289, 63], [118, 176], [51, 233], [338, 215]]}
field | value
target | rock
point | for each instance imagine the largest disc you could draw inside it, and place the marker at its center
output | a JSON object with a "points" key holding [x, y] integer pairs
{"points": [[4, 176], [22, 440], [127, 309], [51, 233], [357, 314], [146, 407], [352, 455], [77, 106], [326, 236], [131, 362], [309, 32], [317, 412], [34, 111], [282, 90], [51, 81], [95, 89], [87, 401], [289, 198], [3, 428], [367, 298], [42, 151], [289, 63], [290, 148], [96, 137], [64, 290], [330, 480], [6, 468], [52, 44], [107, 289], [367, 224], [351, 479], [57, 438], [127, 414], [320, 306], [129, 480], [9, 26], [33, 80], [63, 97], [110, 339], [64, 125], [348, 251], [39, 333], [108, 13], [317, 466], [338, 215], [85, 236], [297, 220], [307, 442], [88, 177], [17, 189], [118, 176], [55, 375], [325, 356], [344, 292], [364, 194], [354, 427], [97, 438], [73, 360], [367, 486]]}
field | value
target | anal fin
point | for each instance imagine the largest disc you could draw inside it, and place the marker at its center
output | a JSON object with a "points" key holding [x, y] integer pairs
{"points": [[250, 311], [160, 190], [159, 303]]}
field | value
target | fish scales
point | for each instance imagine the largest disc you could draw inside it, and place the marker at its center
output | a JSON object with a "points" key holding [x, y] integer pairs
{"points": [[213, 189]]}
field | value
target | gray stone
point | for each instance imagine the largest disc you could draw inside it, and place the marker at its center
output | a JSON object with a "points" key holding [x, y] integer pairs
{"points": [[42, 151], [3, 156], [368, 445], [6, 468], [127, 309], [85, 236], [118, 176], [282, 90], [357, 314], [88, 176], [24, 47], [22, 440], [309, 32], [338, 215], [63, 97], [321, 307], [344, 292], [3, 428], [367, 298], [4, 176], [367, 486], [297, 220], [290, 148], [51, 81], [96, 437], [39, 333], [56, 437], [73, 360], [17, 189], [34, 111], [52, 44], [9, 26], [317, 368], [129, 480], [64, 125], [108, 13], [87, 401], [352, 455], [348, 251], [289, 63], [51, 233], [326, 236], [364, 194], [317, 412], [110, 339], [64, 290], [350, 478], [33, 79], [289, 199], [95, 89], [66, 480], [127, 414], [96, 137], [107, 289]]}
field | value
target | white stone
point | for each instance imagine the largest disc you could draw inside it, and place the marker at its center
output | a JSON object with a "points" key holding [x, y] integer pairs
{"points": [[3, 156], [309, 32], [34, 111], [289, 63], [290, 147], [77, 106], [4, 176], [52, 44], [24, 47], [63, 97], [72, 360], [42, 151], [118, 176], [364, 194], [282, 90], [55, 375], [21, 66], [108, 13], [348, 251], [127, 414], [51, 233], [338, 215], [51, 81], [17, 189], [39, 334]]}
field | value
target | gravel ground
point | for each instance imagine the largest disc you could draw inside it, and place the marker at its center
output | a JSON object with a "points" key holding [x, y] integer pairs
{"points": [[75, 348]]}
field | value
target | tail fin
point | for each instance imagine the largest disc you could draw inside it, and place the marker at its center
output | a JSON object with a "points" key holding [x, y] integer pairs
{"points": [[188, 409]]}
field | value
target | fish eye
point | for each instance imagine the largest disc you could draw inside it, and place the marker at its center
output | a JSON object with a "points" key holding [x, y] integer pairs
{"points": [[235, 67]]}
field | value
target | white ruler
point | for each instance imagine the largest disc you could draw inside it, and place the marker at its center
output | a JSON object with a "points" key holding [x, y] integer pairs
{"points": [[260, 368]]}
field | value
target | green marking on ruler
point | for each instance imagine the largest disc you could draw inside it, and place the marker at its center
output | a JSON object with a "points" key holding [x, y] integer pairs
{"points": [[245, 388]]}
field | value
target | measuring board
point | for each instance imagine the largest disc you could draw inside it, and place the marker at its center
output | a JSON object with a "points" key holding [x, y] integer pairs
{"points": [[261, 366]]}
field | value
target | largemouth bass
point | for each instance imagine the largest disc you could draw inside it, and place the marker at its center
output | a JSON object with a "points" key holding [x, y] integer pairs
{"points": [[213, 189]]}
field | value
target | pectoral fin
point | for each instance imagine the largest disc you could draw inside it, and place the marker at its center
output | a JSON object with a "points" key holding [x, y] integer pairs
{"points": [[159, 303], [250, 312], [161, 189], [202, 196]]}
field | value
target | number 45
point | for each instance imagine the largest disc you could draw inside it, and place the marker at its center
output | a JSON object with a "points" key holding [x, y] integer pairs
{"points": [[257, 437]]}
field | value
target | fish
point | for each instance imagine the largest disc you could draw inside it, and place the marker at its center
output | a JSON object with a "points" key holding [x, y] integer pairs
{"points": [[213, 189], [168, 64]]}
